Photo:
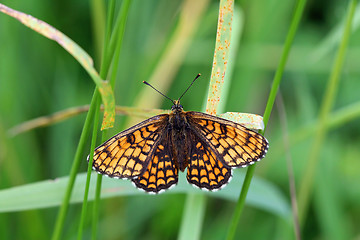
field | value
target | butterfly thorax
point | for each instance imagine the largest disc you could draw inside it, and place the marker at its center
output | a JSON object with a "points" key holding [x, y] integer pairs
{"points": [[179, 137]]}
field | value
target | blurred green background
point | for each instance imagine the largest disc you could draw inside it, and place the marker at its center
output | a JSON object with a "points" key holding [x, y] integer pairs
{"points": [[37, 78]]}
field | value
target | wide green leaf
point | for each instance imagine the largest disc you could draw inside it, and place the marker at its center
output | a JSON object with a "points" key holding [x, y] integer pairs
{"points": [[49, 193]]}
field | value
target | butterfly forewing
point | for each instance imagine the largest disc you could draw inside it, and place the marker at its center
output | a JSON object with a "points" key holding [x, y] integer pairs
{"points": [[127, 154], [204, 169], [233, 144], [161, 172]]}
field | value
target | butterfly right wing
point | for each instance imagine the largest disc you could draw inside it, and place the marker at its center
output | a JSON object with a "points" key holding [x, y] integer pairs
{"points": [[127, 154], [233, 144], [204, 169]]}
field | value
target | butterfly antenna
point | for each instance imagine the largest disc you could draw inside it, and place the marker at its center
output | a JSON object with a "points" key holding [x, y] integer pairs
{"points": [[189, 86], [159, 92]]}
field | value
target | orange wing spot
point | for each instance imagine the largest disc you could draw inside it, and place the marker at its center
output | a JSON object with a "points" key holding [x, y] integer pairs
{"points": [[220, 149], [138, 167], [152, 128], [150, 142], [230, 141], [168, 164], [232, 153], [130, 164], [160, 174], [161, 182], [220, 178], [203, 172], [170, 179], [254, 140], [169, 173], [217, 128], [228, 159], [119, 153], [146, 175], [119, 169], [216, 171], [126, 145], [106, 161], [128, 152], [209, 126], [201, 163], [213, 183], [127, 172], [212, 176], [103, 155], [223, 143], [252, 146], [113, 145], [152, 179], [242, 132], [208, 167], [146, 134], [142, 157], [115, 150], [146, 148], [196, 179], [100, 149], [141, 144], [194, 171], [214, 141], [137, 152], [204, 180]]}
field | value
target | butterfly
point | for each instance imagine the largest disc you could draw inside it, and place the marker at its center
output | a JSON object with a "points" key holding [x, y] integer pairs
{"points": [[152, 153]]}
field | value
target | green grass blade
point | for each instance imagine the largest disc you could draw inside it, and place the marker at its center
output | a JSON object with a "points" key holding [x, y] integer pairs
{"points": [[59, 224], [193, 217], [195, 204], [89, 170], [270, 103], [77, 52], [326, 106], [118, 35]]}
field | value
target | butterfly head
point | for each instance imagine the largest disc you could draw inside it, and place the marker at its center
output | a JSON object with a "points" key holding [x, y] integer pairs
{"points": [[177, 107]]}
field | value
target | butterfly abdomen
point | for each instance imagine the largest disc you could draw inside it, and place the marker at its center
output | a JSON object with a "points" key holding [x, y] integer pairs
{"points": [[179, 139]]}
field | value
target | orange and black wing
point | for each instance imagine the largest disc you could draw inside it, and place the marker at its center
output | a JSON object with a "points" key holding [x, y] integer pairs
{"points": [[233, 144], [161, 172], [204, 170], [127, 154]]}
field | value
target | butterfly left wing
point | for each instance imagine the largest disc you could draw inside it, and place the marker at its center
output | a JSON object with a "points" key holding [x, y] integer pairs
{"points": [[233, 144], [161, 172], [127, 154]]}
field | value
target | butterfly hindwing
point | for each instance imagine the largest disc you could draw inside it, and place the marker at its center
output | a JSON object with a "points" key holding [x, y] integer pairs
{"points": [[235, 145], [127, 154], [204, 169], [161, 172]]}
